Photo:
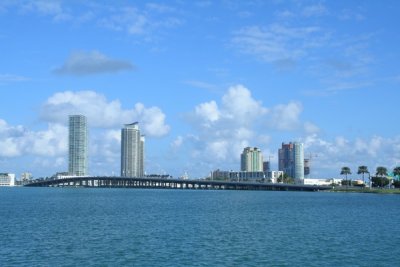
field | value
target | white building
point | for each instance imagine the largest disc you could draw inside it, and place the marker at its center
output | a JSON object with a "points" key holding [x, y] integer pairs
{"points": [[132, 151], [322, 182], [251, 160], [238, 176], [274, 175], [77, 156], [26, 176], [7, 179]]}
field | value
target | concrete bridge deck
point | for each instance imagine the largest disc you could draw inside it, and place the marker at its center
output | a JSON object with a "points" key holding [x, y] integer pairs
{"points": [[146, 182]]}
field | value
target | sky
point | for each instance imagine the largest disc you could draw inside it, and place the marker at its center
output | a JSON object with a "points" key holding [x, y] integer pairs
{"points": [[204, 79]]}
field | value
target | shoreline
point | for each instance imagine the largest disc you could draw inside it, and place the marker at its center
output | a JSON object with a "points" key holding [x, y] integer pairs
{"points": [[367, 190]]}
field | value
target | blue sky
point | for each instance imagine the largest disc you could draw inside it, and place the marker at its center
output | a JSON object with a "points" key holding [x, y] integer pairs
{"points": [[204, 79]]}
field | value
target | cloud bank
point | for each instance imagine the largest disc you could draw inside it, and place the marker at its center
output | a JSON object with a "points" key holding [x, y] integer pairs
{"points": [[102, 113]]}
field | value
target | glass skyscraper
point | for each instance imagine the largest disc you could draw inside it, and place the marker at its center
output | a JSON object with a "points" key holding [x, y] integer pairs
{"points": [[298, 161], [77, 142], [132, 151], [291, 160]]}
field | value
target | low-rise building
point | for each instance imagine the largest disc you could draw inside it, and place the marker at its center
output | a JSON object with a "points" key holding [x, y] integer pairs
{"points": [[7, 179], [322, 182], [26, 177], [274, 175], [238, 176]]}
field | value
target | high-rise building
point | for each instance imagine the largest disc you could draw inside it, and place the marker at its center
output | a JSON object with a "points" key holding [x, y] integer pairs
{"points": [[307, 167], [77, 160], [291, 160], [132, 151], [251, 160], [266, 166], [298, 161]]}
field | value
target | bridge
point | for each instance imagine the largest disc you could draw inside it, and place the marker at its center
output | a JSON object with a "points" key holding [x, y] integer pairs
{"points": [[163, 183]]}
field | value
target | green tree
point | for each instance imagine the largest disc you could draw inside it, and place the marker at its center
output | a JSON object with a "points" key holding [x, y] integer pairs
{"points": [[381, 171], [345, 182], [345, 171], [362, 170], [285, 179], [378, 181]]}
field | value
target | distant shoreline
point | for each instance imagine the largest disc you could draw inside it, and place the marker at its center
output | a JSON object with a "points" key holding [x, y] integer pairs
{"points": [[366, 190]]}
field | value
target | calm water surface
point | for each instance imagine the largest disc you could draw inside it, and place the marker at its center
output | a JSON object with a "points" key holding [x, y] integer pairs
{"points": [[108, 227]]}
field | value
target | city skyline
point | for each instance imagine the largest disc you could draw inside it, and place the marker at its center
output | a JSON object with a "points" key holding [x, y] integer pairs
{"points": [[204, 79]]}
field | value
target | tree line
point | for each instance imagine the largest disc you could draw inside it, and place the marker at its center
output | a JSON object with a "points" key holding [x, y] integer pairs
{"points": [[379, 180]]}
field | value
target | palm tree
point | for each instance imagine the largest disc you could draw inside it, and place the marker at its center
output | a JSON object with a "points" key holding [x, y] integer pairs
{"points": [[345, 171], [396, 171], [362, 170], [382, 172]]}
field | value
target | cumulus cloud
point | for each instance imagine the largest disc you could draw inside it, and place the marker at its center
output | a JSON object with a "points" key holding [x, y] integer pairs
{"points": [[17, 140], [339, 151], [103, 113], [286, 117], [208, 111], [93, 62], [224, 128]]}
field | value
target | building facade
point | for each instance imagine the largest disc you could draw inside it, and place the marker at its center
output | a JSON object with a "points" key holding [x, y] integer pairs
{"points": [[132, 151], [266, 166], [240, 176], [78, 146], [26, 177], [291, 160], [251, 160], [7, 179]]}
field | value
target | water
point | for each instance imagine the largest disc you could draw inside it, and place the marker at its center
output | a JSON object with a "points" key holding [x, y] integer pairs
{"points": [[109, 227]]}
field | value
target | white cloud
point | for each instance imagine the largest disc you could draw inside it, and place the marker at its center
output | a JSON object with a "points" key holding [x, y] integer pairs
{"points": [[177, 142], [286, 117], [223, 129], [17, 141], [152, 119], [208, 111], [333, 154], [310, 128], [86, 63], [103, 113], [240, 105]]}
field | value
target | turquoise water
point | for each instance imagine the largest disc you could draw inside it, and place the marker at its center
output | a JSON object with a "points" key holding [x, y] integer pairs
{"points": [[134, 227]]}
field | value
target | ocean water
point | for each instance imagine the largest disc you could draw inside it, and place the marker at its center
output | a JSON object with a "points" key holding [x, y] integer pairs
{"points": [[144, 227]]}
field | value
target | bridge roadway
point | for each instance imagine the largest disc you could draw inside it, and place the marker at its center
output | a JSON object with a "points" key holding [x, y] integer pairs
{"points": [[147, 182]]}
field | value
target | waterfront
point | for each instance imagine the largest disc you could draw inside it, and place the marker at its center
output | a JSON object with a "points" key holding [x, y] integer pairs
{"points": [[144, 227]]}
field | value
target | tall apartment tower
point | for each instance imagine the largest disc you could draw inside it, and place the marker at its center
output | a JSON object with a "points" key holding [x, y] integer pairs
{"points": [[77, 156], [251, 160], [132, 151], [291, 160]]}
